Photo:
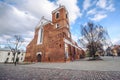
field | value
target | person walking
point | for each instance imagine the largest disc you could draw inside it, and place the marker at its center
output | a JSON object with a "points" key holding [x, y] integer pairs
{"points": [[16, 62]]}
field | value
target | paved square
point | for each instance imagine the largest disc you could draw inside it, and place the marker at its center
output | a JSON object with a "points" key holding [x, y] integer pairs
{"points": [[107, 64], [108, 69]]}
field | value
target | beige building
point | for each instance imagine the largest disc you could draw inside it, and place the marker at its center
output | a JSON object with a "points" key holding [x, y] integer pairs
{"points": [[6, 56]]}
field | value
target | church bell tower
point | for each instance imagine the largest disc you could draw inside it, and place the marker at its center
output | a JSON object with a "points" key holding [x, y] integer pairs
{"points": [[61, 20], [60, 17]]}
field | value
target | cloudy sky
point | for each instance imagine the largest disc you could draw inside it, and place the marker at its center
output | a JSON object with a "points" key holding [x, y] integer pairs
{"points": [[21, 16]]}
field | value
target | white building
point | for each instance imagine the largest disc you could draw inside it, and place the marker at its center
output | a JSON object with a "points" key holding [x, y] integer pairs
{"points": [[7, 56]]}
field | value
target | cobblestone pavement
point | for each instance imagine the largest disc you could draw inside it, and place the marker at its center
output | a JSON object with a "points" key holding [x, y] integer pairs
{"points": [[107, 64], [108, 69], [11, 72]]}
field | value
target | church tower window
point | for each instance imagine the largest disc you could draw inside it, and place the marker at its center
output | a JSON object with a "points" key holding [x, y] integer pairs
{"points": [[57, 15], [66, 15]]}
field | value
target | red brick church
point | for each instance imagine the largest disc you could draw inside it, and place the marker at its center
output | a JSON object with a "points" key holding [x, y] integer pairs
{"points": [[52, 41]]}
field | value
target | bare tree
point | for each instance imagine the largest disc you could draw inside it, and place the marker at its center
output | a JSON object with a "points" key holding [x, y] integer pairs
{"points": [[14, 44], [94, 37]]}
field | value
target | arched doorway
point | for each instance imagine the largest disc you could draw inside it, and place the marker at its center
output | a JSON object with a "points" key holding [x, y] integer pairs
{"points": [[39, 57]]}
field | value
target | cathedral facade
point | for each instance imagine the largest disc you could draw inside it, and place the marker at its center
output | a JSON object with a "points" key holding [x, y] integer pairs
{"points": [[52, 40]]}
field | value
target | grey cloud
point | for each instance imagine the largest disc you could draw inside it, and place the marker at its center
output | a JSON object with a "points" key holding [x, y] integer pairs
{"points": [[14, 21], [22, 16]]}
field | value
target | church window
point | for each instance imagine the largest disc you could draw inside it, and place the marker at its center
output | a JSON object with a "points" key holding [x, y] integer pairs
{"points": [[66, 16], [40, 36], [60, 45], [66, 51], [57, 25], [57, 15], [67, 26], [68, 34]]}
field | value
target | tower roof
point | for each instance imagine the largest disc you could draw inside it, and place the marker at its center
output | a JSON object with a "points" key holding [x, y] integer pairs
{"points": [[60, 7]]}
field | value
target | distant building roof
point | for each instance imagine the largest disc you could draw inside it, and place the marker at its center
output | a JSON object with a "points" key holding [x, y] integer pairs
{"points": [[4, 49]]}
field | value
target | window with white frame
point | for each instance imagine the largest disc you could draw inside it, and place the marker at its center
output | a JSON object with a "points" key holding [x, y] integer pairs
{"points": [[40, 36], [68, 34], [66, 51], [57, 15], [67, 26]]}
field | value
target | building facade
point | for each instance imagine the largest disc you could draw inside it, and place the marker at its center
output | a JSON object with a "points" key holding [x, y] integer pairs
{"points": [[52, 40], [6, 56]]}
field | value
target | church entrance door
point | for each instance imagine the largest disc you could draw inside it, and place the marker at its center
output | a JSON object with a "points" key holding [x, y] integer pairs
{"points": [[39, 58]]}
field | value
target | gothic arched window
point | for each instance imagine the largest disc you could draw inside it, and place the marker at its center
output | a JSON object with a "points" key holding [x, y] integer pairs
{"points": [[40, 36]]}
